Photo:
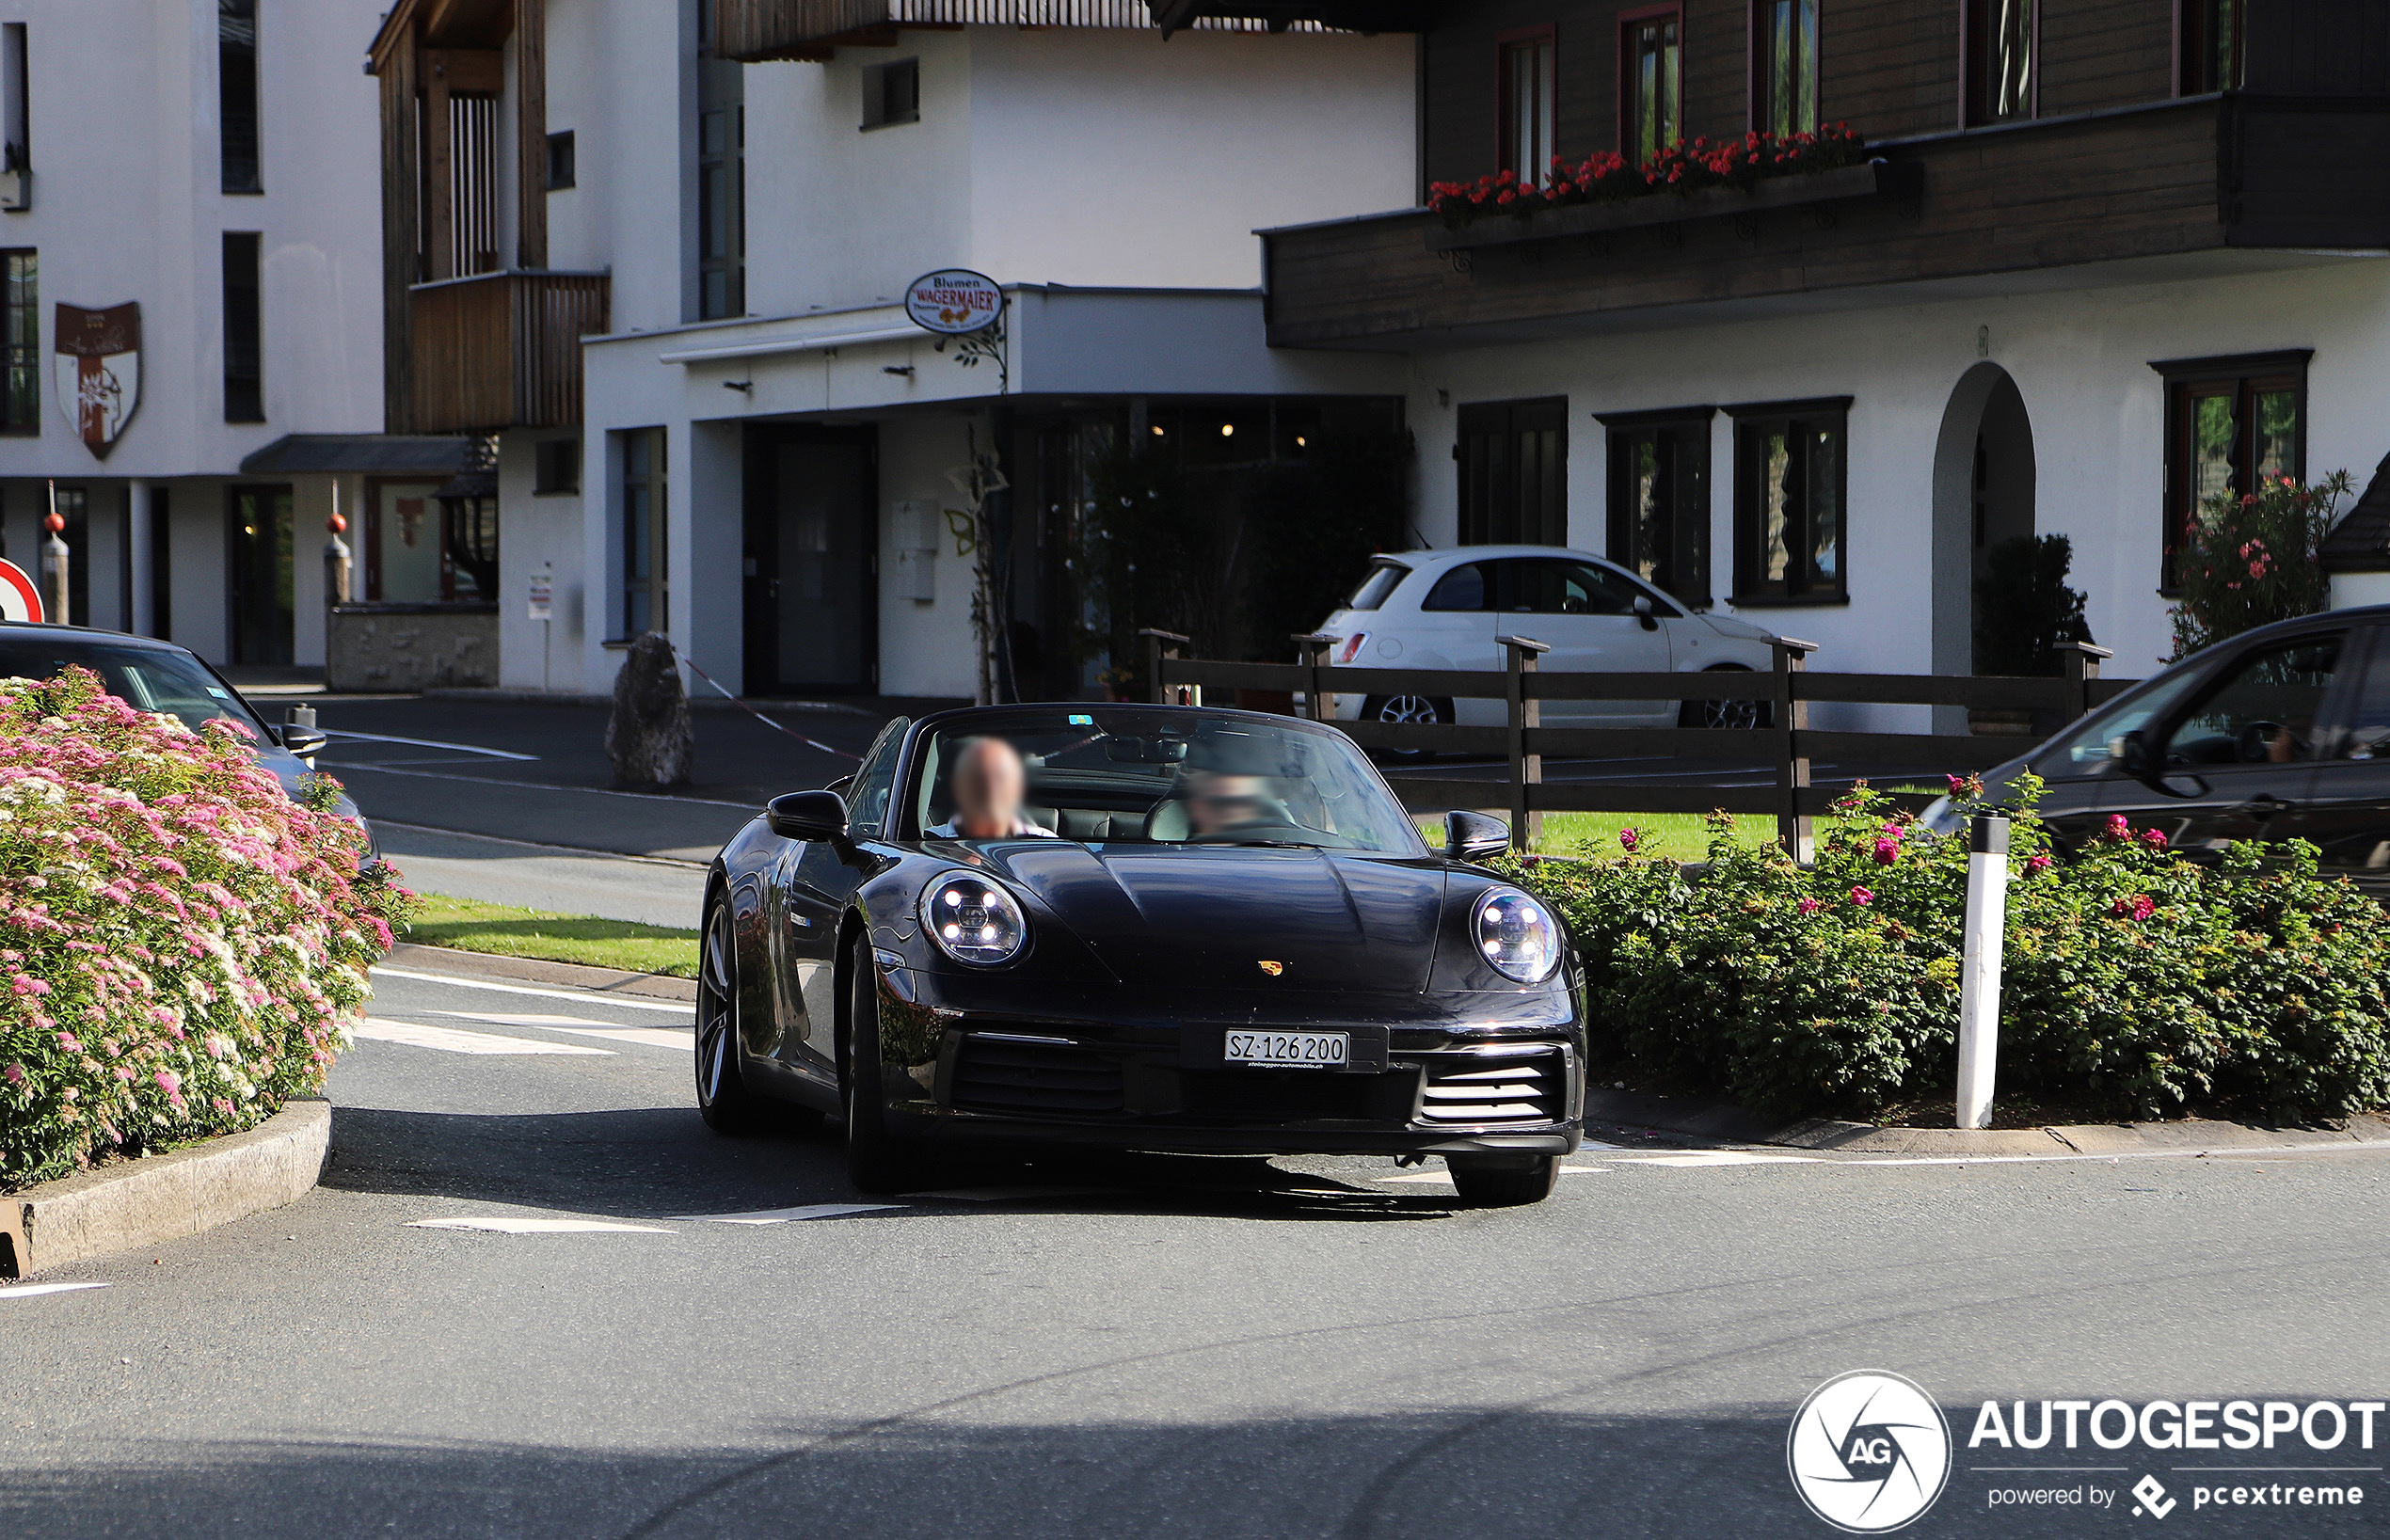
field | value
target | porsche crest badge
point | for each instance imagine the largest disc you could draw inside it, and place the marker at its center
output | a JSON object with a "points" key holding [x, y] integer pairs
{"points": [[1273, 969]]}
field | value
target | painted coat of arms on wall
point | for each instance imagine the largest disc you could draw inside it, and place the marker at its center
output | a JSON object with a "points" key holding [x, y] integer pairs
{"points": [[98, 365]]}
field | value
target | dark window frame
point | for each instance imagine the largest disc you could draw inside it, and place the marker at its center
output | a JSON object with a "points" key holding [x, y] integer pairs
{"points": [[650, 523], [2244, 377], [1489, 464], [2195, 53], [1974, 58], [1761, 88], [876, 83], [563, 164], [241, 165], [243, 317], [21, 363], [1630, 23], [556, 467], [1546, 36], [1752, 424], [1680, 440]]}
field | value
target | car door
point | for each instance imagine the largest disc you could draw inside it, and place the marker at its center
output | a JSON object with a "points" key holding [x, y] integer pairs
{"points": [[814, 888], [2241, 755], [1455, 630], [1587, 614], [2347, 809]]}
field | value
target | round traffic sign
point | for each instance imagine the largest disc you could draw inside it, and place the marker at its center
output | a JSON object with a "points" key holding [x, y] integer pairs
{"points": [[19, 598]]}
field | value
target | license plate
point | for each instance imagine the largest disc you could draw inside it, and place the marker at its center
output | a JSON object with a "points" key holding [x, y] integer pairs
{"points": [[1291, 1050]]}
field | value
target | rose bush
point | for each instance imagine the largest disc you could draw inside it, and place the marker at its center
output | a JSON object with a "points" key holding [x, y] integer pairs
{"points": [[182, 946], [1685, 167], [2137, 983], [2254, 558]]}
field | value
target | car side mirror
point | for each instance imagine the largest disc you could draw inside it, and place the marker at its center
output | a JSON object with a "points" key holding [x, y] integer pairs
{"points": [[1643, 612], [808, 816], [1474, 836], [2132, 752]]}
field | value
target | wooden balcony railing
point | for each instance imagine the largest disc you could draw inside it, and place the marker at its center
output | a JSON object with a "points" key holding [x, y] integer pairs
{"points": [[501, 350]]}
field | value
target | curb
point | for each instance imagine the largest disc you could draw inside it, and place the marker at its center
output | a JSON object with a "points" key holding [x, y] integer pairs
{"points": [[163, 1197], [1727, 1123], [525, 970]]}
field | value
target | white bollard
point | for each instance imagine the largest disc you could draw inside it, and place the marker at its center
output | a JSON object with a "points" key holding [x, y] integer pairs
{"points": [[1979, 973]]}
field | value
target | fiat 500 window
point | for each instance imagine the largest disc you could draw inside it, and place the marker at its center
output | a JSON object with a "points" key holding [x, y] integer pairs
{"points": [[1125, 774]]}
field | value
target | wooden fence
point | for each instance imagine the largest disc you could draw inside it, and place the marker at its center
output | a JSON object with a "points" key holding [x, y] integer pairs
{"points": [[1787, 742]]}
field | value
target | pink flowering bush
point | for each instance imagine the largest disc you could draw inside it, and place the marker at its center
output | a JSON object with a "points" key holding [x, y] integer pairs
{"points": [[2253, 558], [1686, 166], [2137, 983], [182, 946]]}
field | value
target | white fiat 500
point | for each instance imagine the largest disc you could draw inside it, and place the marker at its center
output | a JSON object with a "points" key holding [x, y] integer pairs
{"points": [[1443, 608]]}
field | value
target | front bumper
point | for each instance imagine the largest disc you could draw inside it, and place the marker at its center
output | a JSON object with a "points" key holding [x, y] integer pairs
{"points": [[1425, 1080]]}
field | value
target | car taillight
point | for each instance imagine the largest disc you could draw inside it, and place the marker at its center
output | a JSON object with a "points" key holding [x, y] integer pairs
{"points": [[1353, 646]]}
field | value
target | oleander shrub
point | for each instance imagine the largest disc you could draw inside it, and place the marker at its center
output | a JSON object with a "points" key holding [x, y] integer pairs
{"points": [[2137, 983], [182, 946]]}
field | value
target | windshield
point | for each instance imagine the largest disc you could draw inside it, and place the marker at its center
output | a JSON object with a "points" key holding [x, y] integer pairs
{"points": [[1152, 775], [149, 678]]}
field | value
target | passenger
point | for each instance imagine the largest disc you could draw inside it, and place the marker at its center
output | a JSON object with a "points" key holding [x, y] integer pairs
{"points": [[1222, 804], [988, 782]]}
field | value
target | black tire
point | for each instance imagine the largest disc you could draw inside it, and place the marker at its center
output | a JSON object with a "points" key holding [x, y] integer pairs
{"points": [[1501, 1182], [878, 1159], [722, 1096], [1425, 710], [1727, 716]]}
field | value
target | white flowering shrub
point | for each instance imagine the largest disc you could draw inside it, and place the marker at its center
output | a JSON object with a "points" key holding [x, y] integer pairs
{"points": [[182, 946]]}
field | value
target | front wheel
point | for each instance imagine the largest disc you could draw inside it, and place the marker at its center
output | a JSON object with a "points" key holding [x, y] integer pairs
{"points": [[878, 1159], [1499, 1182], [722, 1098]]}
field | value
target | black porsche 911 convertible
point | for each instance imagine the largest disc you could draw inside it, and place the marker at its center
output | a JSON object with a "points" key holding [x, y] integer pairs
{"points": [[1174, 928]]}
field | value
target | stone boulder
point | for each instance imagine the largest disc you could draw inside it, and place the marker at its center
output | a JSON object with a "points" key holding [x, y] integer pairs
{"points": [[649, 737]]}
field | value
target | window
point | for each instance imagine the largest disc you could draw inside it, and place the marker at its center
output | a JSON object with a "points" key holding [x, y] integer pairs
{"points": [[2227, 420], [645, 591], [1784, 66], [1564, 588], [236, 95], [560, 161], [867, 793], [557, 466], [1650, 82], [1660, 498], [2264, 710], [1384, 578], [1788, 483], [2213, 34], [2000, 81], [1463, 589], [892, 93], [722, 176], [1514, 460], [244, 360], [16, 110], [21, 332], [1529, 97]]}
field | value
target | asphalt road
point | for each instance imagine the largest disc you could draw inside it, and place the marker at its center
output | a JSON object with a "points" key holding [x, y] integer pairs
{"points": [[1157, 1346]]}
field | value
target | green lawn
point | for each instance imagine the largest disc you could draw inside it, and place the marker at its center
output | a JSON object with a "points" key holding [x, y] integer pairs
{"points": [[1679, 836], [501, 928]]}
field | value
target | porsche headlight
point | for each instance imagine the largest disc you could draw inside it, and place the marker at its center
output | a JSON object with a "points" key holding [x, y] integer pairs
{"points": [[1516, 935], [974, 920]]}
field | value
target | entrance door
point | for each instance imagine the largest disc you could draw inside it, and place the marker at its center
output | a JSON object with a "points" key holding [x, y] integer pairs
{"points": [[263, 552], [812, 546]]}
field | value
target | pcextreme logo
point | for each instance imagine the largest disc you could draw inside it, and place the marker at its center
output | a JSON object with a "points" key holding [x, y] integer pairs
{"points": [[1868, 1451]]}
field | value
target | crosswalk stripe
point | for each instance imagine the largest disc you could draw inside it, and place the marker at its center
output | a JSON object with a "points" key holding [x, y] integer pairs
{"points": [[782, 1216], [652, 1037], [626, 1002], [26, 1291], [449, 1039]]}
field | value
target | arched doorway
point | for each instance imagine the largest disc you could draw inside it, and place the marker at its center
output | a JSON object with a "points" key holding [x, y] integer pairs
{"points": [[1983, 494]]}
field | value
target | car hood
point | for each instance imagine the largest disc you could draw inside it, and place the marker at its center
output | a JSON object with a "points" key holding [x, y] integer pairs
{"points": [[1735, 627], [1211, 915]]}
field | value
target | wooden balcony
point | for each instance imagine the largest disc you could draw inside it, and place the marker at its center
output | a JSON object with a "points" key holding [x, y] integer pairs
{"points": [[501, 350], [2200, 184]]}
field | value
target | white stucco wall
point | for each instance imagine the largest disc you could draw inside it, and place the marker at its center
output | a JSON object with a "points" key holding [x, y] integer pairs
{"points": [[2080, 360]]}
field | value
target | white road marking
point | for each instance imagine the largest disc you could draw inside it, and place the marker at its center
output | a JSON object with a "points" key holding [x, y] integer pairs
{"points": [[428, 743], [653, 1037], [1446, 1176], [449, 1039], [504, 1226], [26, 1291], [673, 1008], [1715, 1157], [2266, 1152], [1006, 1194], [782, 1216]]}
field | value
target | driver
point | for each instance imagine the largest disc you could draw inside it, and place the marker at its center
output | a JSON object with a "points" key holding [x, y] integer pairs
{"points": [[988, 782], [1222, 804]]}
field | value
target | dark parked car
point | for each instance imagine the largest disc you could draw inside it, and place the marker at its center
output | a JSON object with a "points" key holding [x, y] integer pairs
{"points": [[1213, 931], [159, 677], [2282, 733]]}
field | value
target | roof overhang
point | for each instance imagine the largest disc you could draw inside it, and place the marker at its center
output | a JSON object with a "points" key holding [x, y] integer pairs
{"points": [[366, 453]]}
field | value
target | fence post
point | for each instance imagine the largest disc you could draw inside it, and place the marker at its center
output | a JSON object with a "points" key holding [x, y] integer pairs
{"points": [[1318, 703], [1158, 646], [2082, 667], [1793, 825], [1979, 972], [1526, 711]]}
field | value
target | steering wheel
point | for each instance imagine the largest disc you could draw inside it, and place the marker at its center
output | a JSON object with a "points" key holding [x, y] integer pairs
{"points": [[2255, 742]]}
